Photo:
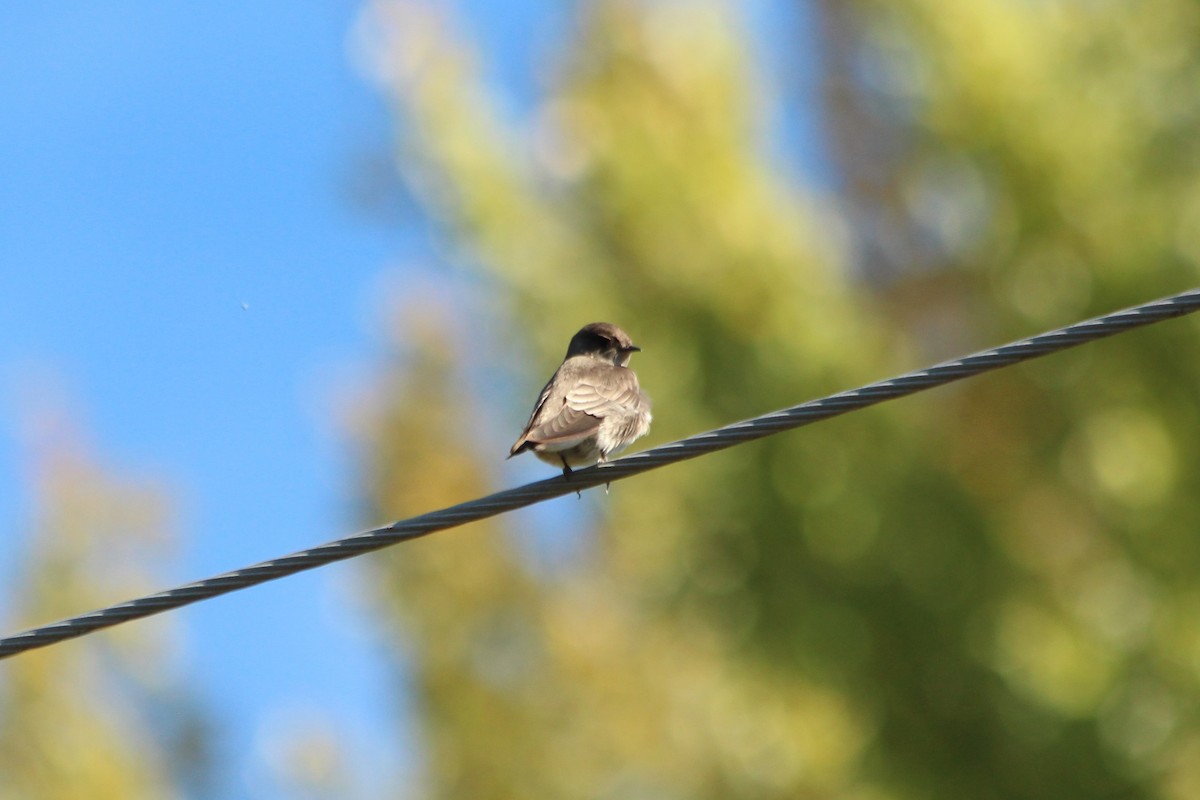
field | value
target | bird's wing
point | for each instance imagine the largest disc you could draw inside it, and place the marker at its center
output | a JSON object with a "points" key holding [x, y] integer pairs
{"points": [[605, 391], [534, 416], [591, 393]]}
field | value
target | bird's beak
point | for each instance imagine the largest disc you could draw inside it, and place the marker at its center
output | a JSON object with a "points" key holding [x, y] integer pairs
{"points": [[633, 348]]}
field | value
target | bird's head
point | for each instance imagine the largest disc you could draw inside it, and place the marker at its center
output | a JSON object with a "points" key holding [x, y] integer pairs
{"points": [[604, 341]]}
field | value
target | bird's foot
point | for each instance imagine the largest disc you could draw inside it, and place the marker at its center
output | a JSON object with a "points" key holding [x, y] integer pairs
{"points": [[567, 475]]}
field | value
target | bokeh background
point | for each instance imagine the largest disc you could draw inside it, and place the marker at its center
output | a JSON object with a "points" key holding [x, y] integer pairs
{"points": [[269, 274]]}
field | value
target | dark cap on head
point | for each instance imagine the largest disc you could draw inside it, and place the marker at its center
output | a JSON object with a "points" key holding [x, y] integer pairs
{"points": [[600, 338]]}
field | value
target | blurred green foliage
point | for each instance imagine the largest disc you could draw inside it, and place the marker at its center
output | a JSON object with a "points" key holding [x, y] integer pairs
{"points": [[107, 717], [986, 592]]}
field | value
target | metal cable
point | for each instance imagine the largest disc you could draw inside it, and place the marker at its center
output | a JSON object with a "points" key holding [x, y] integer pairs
{"points": [[691, 447]]}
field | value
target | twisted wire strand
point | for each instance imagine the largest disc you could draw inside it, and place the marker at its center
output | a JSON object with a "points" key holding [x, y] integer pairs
{"points": [[691, 447]]}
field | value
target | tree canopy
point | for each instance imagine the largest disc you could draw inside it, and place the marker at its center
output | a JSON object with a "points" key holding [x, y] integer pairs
{"points": [[986, 592]]}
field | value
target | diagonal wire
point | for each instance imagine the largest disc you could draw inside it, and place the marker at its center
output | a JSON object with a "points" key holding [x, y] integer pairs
{"points": [[691, 447]]}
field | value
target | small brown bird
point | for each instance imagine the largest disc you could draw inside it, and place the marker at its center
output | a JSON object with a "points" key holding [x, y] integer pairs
{"points": [[593, 407]]}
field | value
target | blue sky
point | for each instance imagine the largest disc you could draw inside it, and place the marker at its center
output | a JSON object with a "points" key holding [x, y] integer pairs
{"points": [[181, 267], [163, 166]]}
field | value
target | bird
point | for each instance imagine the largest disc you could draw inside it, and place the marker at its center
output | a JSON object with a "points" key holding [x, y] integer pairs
{"points": [[593, 407]]}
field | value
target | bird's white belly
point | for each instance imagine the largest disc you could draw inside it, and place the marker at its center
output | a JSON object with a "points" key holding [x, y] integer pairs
{"points": [[577, 453]]}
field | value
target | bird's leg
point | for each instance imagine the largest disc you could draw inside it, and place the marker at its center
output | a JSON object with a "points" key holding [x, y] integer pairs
{"points": [[567, 474], [604, 460]]}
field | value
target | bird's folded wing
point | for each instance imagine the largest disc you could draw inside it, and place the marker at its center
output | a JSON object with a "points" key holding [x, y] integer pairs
{"points": [[611, 392], [595, 395], [567, 425]]}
